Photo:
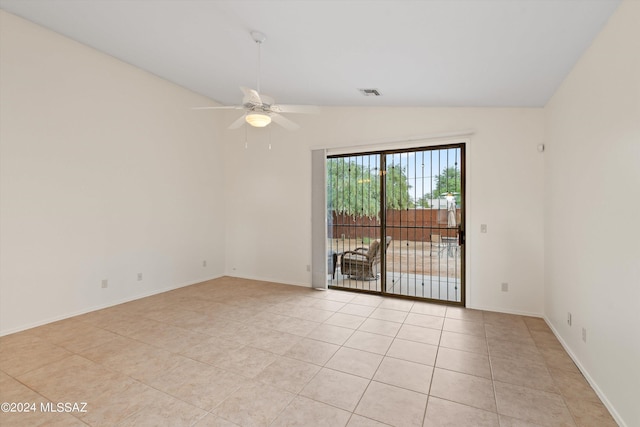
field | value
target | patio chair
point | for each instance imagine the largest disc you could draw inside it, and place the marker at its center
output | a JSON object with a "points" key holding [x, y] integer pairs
{"points": [[363, 263], [437, 245]]}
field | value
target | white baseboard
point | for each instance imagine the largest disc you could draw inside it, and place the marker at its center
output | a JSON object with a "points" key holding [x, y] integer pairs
{"points": [[618, 419], [270, 280], [502, 310], [102, 306]]}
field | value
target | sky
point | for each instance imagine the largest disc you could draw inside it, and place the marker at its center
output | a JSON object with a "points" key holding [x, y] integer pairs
{"points": [[421, 167]]}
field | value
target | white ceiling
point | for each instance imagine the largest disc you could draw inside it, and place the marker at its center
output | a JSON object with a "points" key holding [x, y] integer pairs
{"points": [[488, 53]]}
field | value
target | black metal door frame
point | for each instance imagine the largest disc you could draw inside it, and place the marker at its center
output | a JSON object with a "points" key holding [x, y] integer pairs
{"points": [[382, 173]]}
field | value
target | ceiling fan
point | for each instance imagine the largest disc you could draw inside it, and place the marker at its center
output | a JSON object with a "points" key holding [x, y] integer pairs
{"points": [[261, 109]]}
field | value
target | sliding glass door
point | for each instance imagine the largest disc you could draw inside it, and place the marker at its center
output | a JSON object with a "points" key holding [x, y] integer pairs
{"points": [[396, 222], [354, 217]]}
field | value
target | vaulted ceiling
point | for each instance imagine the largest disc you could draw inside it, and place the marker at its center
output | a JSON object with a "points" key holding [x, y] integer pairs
{"points": [[487, 53]]}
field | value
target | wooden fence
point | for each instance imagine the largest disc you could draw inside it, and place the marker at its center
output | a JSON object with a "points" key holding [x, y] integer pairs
{"points": [[412, 224]]}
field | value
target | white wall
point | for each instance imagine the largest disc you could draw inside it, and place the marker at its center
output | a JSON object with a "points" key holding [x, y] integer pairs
{"points": [[105, 173], [592, 212], [268, 194]]}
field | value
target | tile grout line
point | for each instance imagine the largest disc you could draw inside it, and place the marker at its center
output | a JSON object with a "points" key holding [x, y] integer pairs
{"points": [[246, 322], [493, 383], [562, 396]]}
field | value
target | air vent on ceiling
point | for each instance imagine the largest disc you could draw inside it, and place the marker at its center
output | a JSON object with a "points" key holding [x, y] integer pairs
{"points": [[370, 92]]}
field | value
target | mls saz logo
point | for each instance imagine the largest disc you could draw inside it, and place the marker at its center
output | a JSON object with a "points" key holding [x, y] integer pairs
{"points": [[63, 407]]}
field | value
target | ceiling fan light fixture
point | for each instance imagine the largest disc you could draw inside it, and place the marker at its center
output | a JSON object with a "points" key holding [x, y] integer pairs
{"points": [[258, 120]]}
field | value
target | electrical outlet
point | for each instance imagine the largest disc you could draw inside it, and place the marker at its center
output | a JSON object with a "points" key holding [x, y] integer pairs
{"points": [[505, 287], [139, 276], [584, 334], [105, 283], [569, 319], [483, 228], [204, 263], [308, 267]]}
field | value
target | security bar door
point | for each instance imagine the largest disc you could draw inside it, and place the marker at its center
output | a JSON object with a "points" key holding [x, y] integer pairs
{"points": [[415, 199], [354, 222], [425, 218]]}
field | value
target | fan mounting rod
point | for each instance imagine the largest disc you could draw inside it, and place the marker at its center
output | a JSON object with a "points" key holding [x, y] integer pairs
{"points": [[259, 38]]}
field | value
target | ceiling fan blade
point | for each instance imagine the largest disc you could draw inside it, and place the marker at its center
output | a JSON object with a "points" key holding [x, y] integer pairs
{"points": [[222, 107], [299, 109], [237, 123], [284, 122], [267, 100], [251, 96]]}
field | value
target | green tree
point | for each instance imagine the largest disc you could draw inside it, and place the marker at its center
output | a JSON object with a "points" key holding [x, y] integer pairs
{"points": [[423, 201], [398, 188], [449, 181], [354, 188]]}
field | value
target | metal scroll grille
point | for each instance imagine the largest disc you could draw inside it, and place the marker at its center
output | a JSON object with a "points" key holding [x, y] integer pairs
{"points": [[410, 202]]}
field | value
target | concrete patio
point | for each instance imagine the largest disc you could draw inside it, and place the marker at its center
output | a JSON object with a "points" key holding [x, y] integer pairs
{"points": [[413, 269]]}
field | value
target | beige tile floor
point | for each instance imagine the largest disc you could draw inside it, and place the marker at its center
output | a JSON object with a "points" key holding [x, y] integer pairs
{"points": [[237, 352]]}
